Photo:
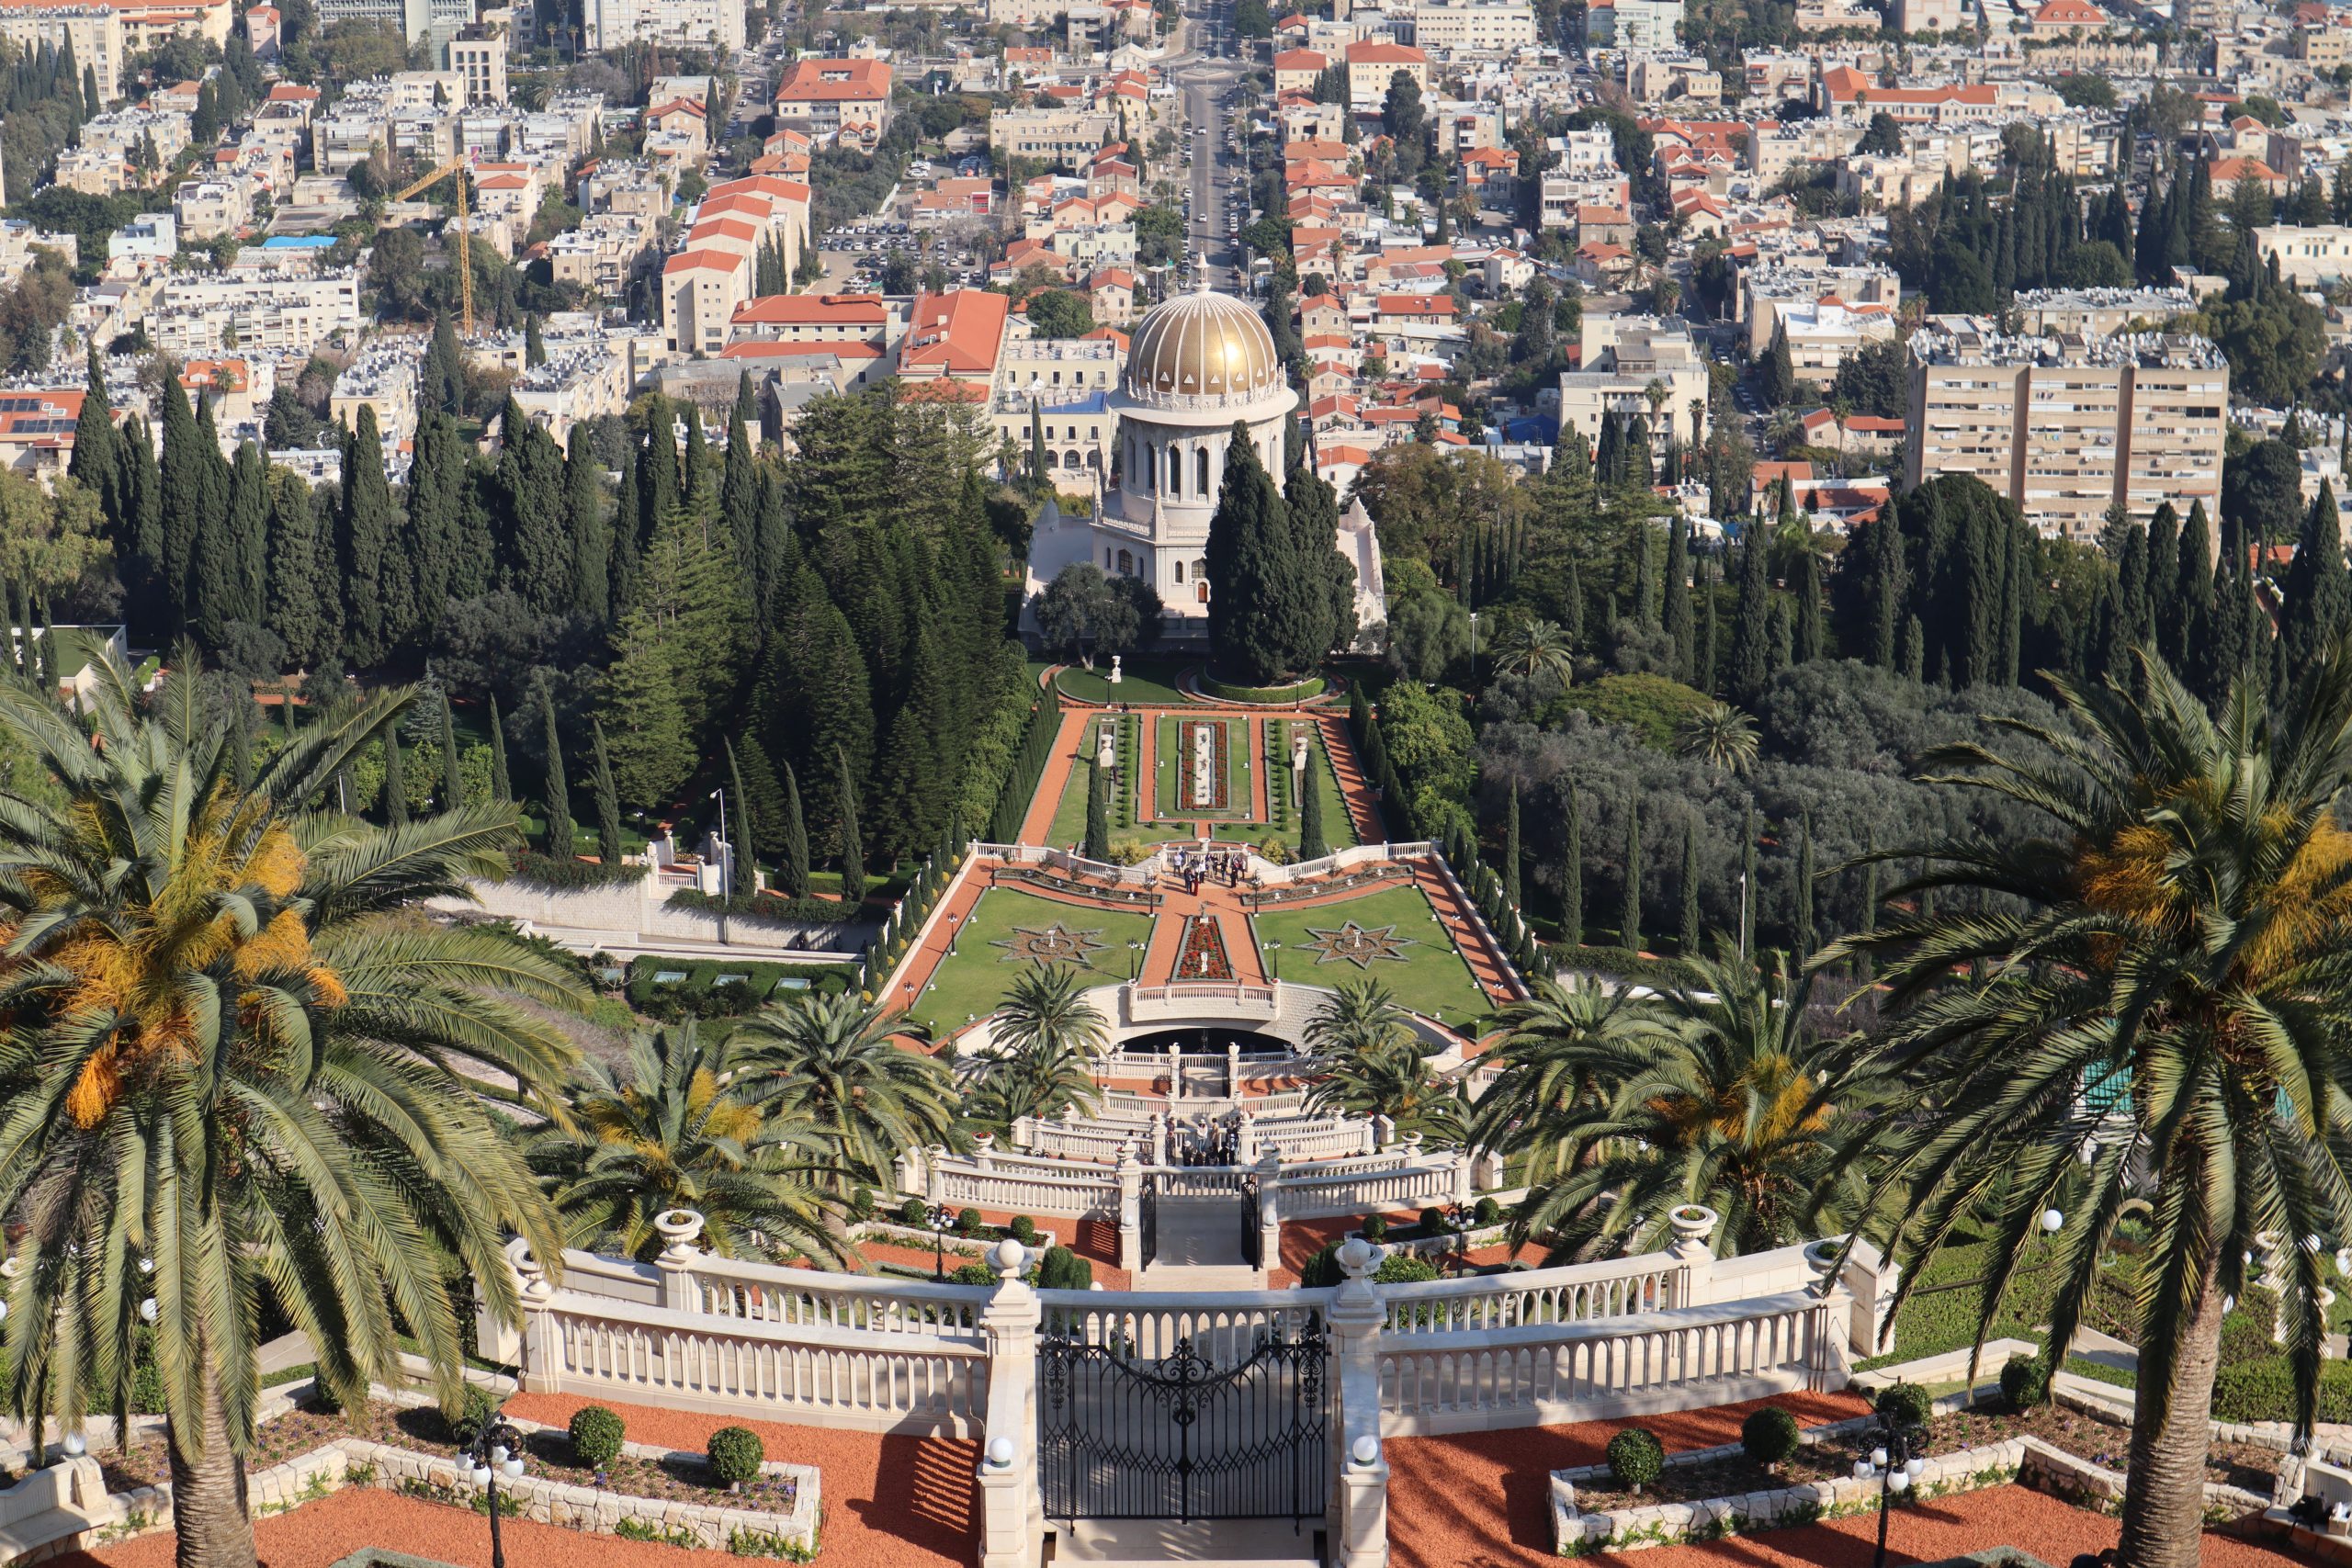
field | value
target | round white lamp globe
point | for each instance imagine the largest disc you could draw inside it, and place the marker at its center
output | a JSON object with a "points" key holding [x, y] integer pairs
{"points": [[1000, 1452], [2052, 1220]]}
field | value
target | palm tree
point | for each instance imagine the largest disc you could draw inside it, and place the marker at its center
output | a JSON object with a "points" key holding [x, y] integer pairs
{"points": [[240, 1063], [1719, 735], [1657, 393], [1551, 1083], [1374, 1064], [1046, 1006], [1532, 647], [2182, 935], [829, 1063], [1736, 1104], [677, 1134]]}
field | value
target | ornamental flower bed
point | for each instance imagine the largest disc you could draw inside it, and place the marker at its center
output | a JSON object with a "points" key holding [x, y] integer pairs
{"points": [[1203, 955]]}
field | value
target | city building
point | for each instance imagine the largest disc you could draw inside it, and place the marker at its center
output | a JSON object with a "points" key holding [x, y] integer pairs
{"points": [[1372, 65], [2307, 259], [845, 100], [2067, 426], [478, 54], [1623, 355]]}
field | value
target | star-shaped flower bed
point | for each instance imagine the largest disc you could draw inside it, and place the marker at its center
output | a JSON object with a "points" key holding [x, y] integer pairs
{"points": [[1054, 945], [1360, 945]]}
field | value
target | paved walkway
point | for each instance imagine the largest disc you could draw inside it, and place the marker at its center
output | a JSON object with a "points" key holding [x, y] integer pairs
{"points": [[1039, 819]]}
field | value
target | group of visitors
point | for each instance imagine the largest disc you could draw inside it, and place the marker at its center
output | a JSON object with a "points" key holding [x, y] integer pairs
{"points": [[1195, 867], [1222, 1147]]}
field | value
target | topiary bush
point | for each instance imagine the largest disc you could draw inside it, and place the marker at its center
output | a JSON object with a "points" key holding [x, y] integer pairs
{"points": [[975, 1274], [1636, 1458], [1906, 1402], [1062, 1270], [1375, 1227], [1770, 1435], [968, 1222], [1403, 1269], [914, 1213], [1321, 1270], [861, 1203], [736, 1454], [2025, 1380], [1487, 1212], [1023, 1230], [596, 1436], [1434, 1222]]}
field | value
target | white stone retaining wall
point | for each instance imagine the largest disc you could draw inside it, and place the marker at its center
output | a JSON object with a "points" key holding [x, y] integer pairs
{"points": [[332, 1467]]}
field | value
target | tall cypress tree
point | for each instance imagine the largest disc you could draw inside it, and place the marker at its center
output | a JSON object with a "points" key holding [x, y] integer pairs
{"points": [[1510, 845], [747, 817], [436, 525], [395, 780], [608, 801], [1644, 574], [590, 531], [1254, 631], [502, 783], [1803, 890], [846, 835], [2318, 594], [97, 460], [539, 564], [792, 864], [2163, 579], [1312, 844], [1687, 940], [1883, 559], [1098, 812], [1571, 875], [557, 796], [182, 501], [1707, 630], [622, 555], [364, 534], [1680, 624], [1809, 640], [138, 527], [453, 784], [738, 499], [1750, 633], [1629, 916], [1747, 889]]}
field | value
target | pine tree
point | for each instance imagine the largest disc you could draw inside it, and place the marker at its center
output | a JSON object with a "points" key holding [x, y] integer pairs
{"points": [[653, 757], [1687, 940], [1679, 621], [1750, 632], [1510, 845], [1629, 916], [846, 834], [746, 813], [501, 784], [1571, 875], [608, 801], [395, 780], [1098, 812], [557, 797], [792, 864]]}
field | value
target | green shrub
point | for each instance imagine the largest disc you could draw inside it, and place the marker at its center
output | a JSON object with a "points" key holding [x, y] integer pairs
{"points": [[975, 1274], [1404, 1269], [1023, 1230], [474, 1412], [1906, 1402], [1770, 1435], [2249, 1331], [2025, 1380], [1487, 1212], [736, 1454], [1636, 1458], [596, 1436], [861, 1203], [1062, 1270], [1375, 1227], [914, 1212], [146, 1384], [969, 1222], [1322, 1270], [1434, 1222]]}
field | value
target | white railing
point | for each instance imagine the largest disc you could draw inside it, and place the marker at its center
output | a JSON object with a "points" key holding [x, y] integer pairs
{"points": [[1185, 998], [1223, 1324], [804, 1297], [1315, 1137], [1360, 1185], [1340, 863], [1251, 1069], [933, 1380], [1021, 1190], [1099, 1142], [1541, 1374], [1576, 1294], [1064, 862]]}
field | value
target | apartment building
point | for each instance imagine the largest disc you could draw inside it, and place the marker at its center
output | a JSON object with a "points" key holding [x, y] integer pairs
{"points": [[1372, 65], [1633, 24], [1623, 355], [478, 55], [696, 23], [1480, 27], [92, 31], [206, 314], [602, 253], [1066, 138], [845, 100], [384, 379], [1772, 287], [2067, 425], [2098, 312]]}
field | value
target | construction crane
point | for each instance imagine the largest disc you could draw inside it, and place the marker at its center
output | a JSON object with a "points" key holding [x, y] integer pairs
{"points": [[456, 166]]}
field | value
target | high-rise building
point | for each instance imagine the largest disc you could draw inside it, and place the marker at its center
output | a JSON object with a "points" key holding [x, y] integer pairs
{"points": [[2067, 426]]}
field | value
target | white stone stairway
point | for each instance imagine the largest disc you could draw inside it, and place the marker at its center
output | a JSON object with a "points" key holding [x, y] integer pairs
{"points": [[1204, 1544]]}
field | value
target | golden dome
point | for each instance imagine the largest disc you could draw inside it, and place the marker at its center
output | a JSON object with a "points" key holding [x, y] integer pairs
{"points": [[1202, 345]]}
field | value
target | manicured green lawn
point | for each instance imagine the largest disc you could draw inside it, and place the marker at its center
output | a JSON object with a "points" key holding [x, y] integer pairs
{"points": [[1339, 827], [1069, 826], [973, 981], [1171, 762], [1140, 680], [1434, 978]]}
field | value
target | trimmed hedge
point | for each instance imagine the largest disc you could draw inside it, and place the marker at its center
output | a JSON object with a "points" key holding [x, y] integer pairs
{"points": [[768, 907], [736, 1454], [2025, 1382], [535, 870], [596, 1436], [700, 994], [1635, 1457], [1313, 686], [1770, 1435]]}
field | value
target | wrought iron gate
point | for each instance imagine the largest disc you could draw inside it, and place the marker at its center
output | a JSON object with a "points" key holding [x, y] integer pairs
{"points": [[1250, 1246], [1181, 1438], [1147, 1220]]}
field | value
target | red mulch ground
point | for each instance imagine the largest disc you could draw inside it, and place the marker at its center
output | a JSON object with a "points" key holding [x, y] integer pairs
{"points": [[1302, 1239], [1482, 1499]]}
